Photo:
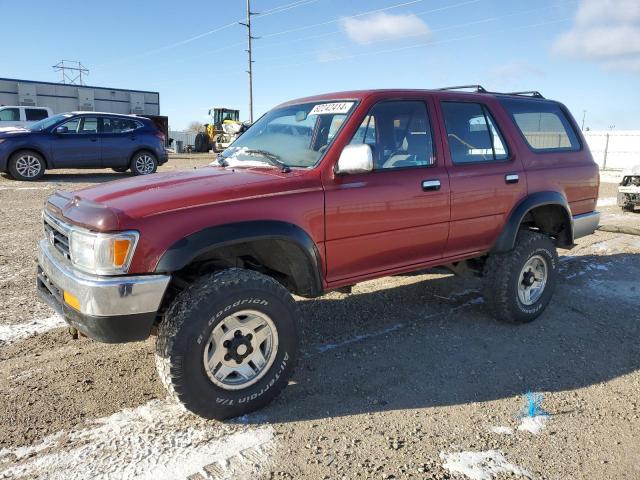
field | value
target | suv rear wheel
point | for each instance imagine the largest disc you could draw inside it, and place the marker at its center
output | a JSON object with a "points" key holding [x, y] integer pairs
{"points": [[519, 284], [26, 165], [228, 344], [144, 163]]}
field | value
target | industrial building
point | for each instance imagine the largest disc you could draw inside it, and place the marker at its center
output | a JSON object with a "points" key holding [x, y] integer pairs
{"points": [[66, 98]]}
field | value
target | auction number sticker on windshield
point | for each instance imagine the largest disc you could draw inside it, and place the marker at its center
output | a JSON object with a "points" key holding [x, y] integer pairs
{"points": [[331, 108]]}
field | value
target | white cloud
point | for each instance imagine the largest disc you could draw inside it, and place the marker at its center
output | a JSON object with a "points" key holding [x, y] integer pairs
{"points": [[383, 26], [517, 70], [607, 31]]}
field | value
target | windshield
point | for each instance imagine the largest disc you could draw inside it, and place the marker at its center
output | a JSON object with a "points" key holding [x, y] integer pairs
{"points": [[48, 122], [294, 136]]}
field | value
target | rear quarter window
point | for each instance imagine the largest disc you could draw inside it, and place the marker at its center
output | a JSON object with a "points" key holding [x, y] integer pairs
{"points": [[35, 114], [544, 125]]}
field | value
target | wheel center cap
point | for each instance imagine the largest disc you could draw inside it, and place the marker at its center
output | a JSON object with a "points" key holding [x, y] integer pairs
{"points": [[528, 279], [238, 347], [242, 349]]}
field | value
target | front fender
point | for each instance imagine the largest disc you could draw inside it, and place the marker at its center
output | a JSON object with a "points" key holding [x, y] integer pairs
{"points": [[305, 258]]}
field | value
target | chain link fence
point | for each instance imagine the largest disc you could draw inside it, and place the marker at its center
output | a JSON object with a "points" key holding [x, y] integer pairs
{"points": [[614, 150]]}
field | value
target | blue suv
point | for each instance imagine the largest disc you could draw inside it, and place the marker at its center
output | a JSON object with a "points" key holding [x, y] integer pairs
{"points": [[83, 140]]}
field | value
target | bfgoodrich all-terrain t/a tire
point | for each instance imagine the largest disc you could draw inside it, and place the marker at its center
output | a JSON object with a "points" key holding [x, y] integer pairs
{"points": [[228, 344], [519, 284]]}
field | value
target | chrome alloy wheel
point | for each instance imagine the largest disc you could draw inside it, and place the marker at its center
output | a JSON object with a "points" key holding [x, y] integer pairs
{"points": [[28, 166], [145, 164], [241, 349], [533, 279]]}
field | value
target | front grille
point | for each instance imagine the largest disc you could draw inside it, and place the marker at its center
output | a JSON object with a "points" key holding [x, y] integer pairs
{"points": [[57, 234]]}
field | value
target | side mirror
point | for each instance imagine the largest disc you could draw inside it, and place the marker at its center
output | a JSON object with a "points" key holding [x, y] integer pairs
{"points": [[62, 129], [355, 159]]}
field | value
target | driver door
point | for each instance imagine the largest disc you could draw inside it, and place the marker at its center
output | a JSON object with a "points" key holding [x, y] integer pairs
{"points": [[398, 214], [78, 146]]}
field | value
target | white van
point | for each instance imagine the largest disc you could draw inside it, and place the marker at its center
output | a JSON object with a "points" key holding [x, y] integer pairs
{"points": [[16, 117]]}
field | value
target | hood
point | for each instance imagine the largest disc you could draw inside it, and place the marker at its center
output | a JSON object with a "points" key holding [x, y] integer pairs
{"points": [[112, 205], [6, 132]]}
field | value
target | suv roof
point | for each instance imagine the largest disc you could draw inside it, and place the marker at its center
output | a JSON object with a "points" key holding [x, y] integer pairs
{"points": [[456, 90]]}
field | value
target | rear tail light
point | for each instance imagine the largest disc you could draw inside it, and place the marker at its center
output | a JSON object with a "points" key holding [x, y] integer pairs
{"points": [[161, 136]]}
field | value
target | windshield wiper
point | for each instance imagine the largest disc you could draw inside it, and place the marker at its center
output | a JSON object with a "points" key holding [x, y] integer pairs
{"points": [[272, 158], [221, 160]]}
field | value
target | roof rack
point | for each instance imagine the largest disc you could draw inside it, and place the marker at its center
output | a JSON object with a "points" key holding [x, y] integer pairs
{"points": [[481, 89], [530, 93], [477, 88]]}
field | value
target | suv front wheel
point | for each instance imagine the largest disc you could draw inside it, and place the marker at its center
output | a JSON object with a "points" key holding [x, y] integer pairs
{"points": [[519, 284], [144, 163], [228, 344], [26, 165]]}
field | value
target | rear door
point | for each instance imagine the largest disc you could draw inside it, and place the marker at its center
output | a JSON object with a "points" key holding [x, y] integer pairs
{"points": [[398, 214], [78, 146], [485, 174], [119, 139]]}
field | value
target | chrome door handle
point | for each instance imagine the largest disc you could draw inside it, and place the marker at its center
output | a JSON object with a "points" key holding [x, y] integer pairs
{"points": [[512, 178], [430, 185]]}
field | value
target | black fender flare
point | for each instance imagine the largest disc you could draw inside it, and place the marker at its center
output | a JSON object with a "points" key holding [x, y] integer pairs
{"points": [[305, 256], [507, 238]]}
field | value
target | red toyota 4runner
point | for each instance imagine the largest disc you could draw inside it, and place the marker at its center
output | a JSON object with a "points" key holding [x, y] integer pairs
{"points": [[319, 194]]}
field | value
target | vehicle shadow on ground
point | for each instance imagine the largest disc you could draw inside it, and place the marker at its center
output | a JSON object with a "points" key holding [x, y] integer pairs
{"points": [[87, 177], [443, 348]]}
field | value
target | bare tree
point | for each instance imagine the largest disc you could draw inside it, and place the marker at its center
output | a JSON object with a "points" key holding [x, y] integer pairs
{"points": [[195, 127]]}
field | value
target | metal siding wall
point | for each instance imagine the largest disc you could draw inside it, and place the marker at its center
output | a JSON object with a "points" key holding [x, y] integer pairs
{"points": [[64, 98]]}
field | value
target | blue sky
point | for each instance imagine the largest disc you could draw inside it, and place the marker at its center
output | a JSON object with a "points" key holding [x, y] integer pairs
{"points": [[585, 53]]}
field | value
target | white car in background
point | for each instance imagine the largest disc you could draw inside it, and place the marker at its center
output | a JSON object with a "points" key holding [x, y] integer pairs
{"points": [[629, 189], [16, 117]]}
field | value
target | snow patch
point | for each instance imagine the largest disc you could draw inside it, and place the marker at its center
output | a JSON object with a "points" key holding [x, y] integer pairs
{"points": [[481, 465], [12, 333], [533, 424], [502, 430], [607, 202], [156, 441]]}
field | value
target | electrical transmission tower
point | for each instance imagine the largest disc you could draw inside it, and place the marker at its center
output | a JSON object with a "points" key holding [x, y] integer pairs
{"points": [[249, 52], [72, 71]]}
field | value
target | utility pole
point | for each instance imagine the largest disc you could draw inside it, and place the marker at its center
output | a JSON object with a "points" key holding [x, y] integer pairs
{"points": [[249, 53], [584, 114], [71, 78]]}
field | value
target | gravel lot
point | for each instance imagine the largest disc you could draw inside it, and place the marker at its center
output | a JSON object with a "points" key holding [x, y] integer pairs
{"points": [[407, 377]]}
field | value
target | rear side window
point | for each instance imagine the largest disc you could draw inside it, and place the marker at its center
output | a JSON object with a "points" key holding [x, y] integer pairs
{"points": [[10, 115], [544, 125], [35, 114], [472, 134], [119, 125]]}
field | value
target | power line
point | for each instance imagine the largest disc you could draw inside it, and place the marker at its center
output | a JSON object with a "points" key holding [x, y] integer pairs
{"points": [[418, 45], [273, 11], [450, 27]]}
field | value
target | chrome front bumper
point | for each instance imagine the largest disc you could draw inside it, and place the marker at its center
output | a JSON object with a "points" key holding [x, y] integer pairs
{"points": [[585, 224], [100, 296]]}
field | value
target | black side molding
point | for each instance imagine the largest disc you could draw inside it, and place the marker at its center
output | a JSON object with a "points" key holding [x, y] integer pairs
{"points": [[507, 238], [305, 258]]}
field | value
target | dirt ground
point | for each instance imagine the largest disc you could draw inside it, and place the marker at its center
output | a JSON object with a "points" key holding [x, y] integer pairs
{"points": [[406, 377]]}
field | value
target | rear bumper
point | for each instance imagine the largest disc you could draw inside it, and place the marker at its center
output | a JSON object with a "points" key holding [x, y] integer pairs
{"points": [[585, 224], [111, 309]]}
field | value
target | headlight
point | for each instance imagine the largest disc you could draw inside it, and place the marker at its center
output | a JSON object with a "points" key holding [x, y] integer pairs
{"points": [[102, 253]]}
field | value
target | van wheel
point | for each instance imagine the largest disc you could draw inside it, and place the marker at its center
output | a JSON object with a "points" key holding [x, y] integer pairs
{"points": [[144, 163], [519, 284], [26, 165], [228, 344]]}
